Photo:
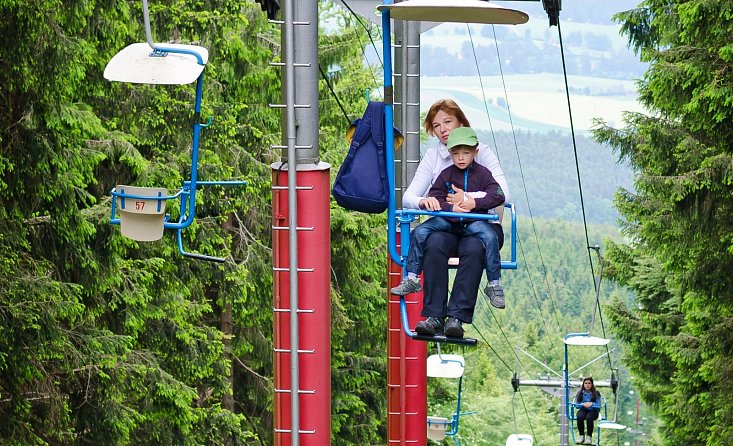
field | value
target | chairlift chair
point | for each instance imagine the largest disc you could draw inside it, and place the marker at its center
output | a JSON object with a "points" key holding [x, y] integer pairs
{"points": [[446, 366], [585, 339], [462, 11], [405, 217], [142, 209]]}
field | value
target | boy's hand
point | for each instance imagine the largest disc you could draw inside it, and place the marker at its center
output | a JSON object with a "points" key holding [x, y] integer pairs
{"points": [[456, 198], [429, 204], [458, 208], [462, 200]]}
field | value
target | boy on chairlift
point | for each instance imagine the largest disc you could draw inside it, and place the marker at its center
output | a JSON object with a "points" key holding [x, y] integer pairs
{"points": [[466, 186]]}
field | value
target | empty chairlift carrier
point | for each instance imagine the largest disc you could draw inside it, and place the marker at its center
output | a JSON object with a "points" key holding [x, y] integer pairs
{"points": [[140, 211]]}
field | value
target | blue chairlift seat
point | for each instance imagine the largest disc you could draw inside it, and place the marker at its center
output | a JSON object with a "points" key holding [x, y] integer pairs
{"points": [[141, 215], [460, 11], [406, 216], [582, 339], [601, 418]]}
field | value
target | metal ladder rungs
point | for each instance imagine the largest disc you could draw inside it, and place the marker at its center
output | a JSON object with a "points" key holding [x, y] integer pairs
{"points": [[300, 270], [285, 106], [400, 413], [282, 64], [407, 386], [288, 431], [296, 187], [277, 146], [297, 228], [305, 392], [287, 310], [287, 350], [408, 302], [282, 22]]}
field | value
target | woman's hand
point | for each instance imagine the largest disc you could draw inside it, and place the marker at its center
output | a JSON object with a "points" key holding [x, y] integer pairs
{"points": [[587, 405], [429, 204]]}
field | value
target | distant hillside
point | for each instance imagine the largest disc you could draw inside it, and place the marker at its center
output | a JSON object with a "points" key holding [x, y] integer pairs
{"points": [[549, 176], [581, 11], [590, 50]]}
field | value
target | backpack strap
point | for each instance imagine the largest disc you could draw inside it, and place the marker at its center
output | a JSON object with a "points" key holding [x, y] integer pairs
{"points": [[378, 135]]}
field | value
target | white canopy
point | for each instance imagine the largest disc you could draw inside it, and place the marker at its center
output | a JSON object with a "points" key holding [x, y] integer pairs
{"points": [[586, 340], [461, 11], [610, 425], [445, 366], [135, 64]]}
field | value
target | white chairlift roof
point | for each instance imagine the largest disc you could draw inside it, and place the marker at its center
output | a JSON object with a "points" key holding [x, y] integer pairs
{"points": [[586, 340], [461, 11], [134, 64], [611, 425], [445, 366], [368, 10], [519, 440]]}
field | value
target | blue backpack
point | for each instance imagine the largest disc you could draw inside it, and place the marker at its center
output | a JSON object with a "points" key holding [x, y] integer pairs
{"points": [[361, 183]]}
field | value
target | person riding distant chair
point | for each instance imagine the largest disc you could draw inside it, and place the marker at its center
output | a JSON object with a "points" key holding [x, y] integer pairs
{"points": [[590, 401]]}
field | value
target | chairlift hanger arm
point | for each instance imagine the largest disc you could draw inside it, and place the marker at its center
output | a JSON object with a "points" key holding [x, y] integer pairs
{"points": [[162, 49], [552, 8]]}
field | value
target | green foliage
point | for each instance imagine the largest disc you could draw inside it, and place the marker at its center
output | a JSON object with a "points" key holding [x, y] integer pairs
{"points": [[680, 217], [543, 304], [107, 341]]}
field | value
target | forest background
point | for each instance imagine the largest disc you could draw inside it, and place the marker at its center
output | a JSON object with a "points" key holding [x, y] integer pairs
{"points": [[107, 341]]}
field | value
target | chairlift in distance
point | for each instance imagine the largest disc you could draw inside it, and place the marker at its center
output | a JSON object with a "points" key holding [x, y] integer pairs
{"points": [[585, 339], [463, 11], [141, 210], [446, 366]]}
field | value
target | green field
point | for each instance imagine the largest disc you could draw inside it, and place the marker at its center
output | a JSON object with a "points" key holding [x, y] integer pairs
{"points": [[536, 101]]}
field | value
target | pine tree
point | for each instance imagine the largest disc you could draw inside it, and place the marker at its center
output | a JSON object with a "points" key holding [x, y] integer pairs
{"points": [[678, 218]]}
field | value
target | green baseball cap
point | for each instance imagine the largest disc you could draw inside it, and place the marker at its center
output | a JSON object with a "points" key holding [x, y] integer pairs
{"points": [[462, 136]]}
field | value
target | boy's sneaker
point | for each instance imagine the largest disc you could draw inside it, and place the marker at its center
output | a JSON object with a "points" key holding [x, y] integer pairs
{"points": [[588, 440], [495, 293], [430, 327], [407, 286], [580, 440], [453, 328]]}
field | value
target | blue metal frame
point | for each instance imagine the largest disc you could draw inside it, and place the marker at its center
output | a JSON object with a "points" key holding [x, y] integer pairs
{"points": [[187, 193], [407, 216]]}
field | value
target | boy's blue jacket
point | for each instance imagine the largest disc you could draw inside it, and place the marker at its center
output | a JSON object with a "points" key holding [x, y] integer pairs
{"points": [[475, 178]]}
